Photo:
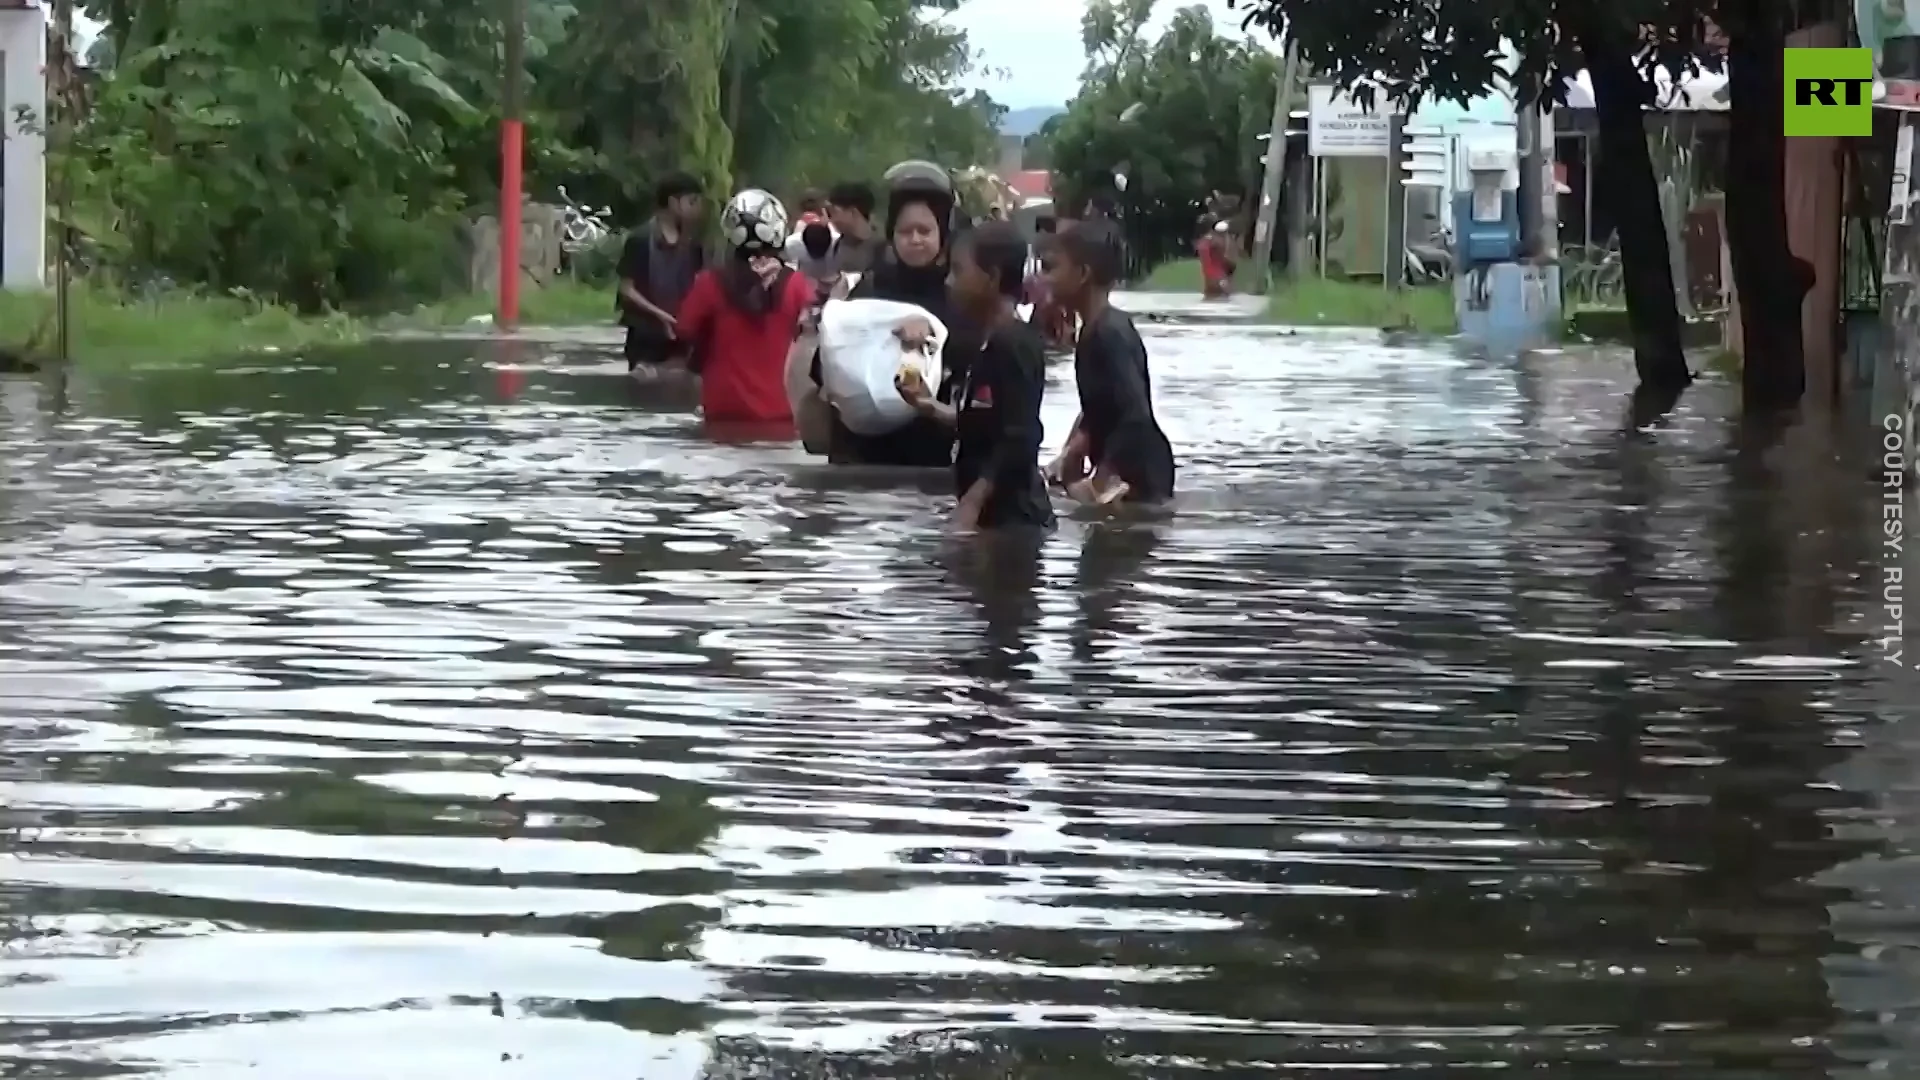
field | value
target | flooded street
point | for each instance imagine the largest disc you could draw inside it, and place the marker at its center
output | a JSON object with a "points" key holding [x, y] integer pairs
{"points": [[457, 709]]}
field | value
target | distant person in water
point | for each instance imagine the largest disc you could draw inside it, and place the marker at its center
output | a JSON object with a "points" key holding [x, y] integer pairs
{"points": [[1215, 248], [1116, 452], [658, 264], [919, 224], [995, 407], [741, 318]]}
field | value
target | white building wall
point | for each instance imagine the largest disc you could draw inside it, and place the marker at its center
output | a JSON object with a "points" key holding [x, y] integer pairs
{"points": [[23, 154]]}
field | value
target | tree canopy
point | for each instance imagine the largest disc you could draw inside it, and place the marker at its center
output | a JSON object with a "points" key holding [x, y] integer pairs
{"points": [[324, 154], [1459, 50], [1180, 115]]}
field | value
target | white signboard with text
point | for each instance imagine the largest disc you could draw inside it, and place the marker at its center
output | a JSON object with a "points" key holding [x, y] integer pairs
{"points": [[1337, 126]]}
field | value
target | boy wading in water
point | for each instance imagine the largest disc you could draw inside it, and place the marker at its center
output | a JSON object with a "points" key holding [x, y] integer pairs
{"points": [[1116, 452], [657, 266], [996, 405]]}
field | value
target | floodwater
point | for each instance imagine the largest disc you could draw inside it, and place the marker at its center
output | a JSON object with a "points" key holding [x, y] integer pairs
{"points": [[457, 709]]}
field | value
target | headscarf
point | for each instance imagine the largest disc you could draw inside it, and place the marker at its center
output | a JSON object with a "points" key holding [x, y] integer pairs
{"points": [[922, 285], [751, 287]]}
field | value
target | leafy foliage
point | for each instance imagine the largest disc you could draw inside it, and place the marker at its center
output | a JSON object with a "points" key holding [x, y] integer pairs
{"points": [[1457, 50], [1179, 115], [327, 154]]}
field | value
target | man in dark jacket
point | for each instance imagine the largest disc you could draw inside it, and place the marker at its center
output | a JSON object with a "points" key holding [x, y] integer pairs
{"points": [[658, 263]]}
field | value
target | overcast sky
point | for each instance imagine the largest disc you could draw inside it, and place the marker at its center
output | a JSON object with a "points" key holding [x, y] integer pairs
{"points": [[1029, 50]]}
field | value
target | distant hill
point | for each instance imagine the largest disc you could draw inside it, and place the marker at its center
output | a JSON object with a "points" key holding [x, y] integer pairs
{"points": [[1024, 122]]}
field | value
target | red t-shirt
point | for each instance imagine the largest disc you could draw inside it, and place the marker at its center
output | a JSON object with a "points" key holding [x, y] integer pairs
{"points": [[744, 357]]}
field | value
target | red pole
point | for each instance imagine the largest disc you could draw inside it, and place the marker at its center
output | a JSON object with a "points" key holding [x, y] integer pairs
{"points": [[510, 194], [512, 137]]}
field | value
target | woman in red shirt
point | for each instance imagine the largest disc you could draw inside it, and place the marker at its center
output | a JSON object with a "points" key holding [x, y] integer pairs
{"points": [[741, 318]]}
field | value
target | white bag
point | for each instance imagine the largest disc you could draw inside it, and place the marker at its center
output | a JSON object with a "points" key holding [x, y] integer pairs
{"points": [[860, 358]]}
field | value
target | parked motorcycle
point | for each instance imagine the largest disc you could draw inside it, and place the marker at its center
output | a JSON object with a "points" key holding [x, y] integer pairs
{"points": [[581, 227], [1431, 262]]}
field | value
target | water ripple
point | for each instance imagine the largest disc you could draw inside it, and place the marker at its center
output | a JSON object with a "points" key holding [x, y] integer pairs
{"points": [[366, 719]]}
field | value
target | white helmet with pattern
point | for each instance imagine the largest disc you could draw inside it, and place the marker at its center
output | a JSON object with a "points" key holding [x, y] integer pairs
{"points": [[755, 221]]}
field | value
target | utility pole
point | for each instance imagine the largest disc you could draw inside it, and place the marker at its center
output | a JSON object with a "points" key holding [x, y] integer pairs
{"points": [[1267, 214], [512, 137], [61, 104], [1526, 122], [1394, 273]]}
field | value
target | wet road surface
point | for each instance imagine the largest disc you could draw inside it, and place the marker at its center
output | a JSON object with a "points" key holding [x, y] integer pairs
{"points": [[458, 710]]}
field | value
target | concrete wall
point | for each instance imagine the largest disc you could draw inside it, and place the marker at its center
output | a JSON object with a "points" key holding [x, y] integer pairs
{"points": [[541, 229]]}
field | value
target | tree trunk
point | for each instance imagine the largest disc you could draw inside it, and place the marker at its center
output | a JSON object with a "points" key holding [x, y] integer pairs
{"points": [[1770, 282], [1625, 172]]}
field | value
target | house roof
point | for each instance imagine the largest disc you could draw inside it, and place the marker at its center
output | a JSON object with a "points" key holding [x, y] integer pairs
{"points": [[1032, 183]]}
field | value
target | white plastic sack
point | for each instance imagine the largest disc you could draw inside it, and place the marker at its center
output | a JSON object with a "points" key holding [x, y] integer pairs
{"points": [[860, 358]]}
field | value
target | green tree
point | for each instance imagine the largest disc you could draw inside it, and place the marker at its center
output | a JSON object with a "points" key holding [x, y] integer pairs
{"points": [[1454, 50], [1451, 49], [327, 155], [1179, 115]]}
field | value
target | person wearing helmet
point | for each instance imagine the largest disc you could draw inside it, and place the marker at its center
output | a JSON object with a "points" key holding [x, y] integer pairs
{"points": [[912, 270], [741, 316]]}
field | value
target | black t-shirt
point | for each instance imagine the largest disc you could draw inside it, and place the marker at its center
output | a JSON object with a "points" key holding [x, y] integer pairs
{"points": [[1116, 406], [923, 442], [662, 272], [997, 419]]}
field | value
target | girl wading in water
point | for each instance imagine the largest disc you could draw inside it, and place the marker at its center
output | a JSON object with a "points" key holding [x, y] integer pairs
{"points": [[740, 319], [995, 409]]}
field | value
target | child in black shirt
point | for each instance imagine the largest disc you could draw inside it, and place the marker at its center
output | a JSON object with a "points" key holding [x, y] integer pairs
{"points": [[1116, 450], [996, 406]]}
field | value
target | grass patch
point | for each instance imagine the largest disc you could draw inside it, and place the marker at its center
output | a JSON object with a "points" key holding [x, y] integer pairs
{"points": [[564, 303], [176, 327], [108, 326], [1426, 309], [1178, 276], [1313, 301]]}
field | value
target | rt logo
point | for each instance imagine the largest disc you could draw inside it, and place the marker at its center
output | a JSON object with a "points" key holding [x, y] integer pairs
{"points": [[1829, 92]]}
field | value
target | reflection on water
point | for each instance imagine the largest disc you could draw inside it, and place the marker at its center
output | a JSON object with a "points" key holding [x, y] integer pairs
{"points": [[413, 715]]}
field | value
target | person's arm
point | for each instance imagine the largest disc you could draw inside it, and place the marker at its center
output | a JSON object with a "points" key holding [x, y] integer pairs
{"points": [[918, 394], [806, 391], [1122, 361], [1070, 464], [634, 255], [812, 416], [939, 411], [696, 317], [802, 294]]}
